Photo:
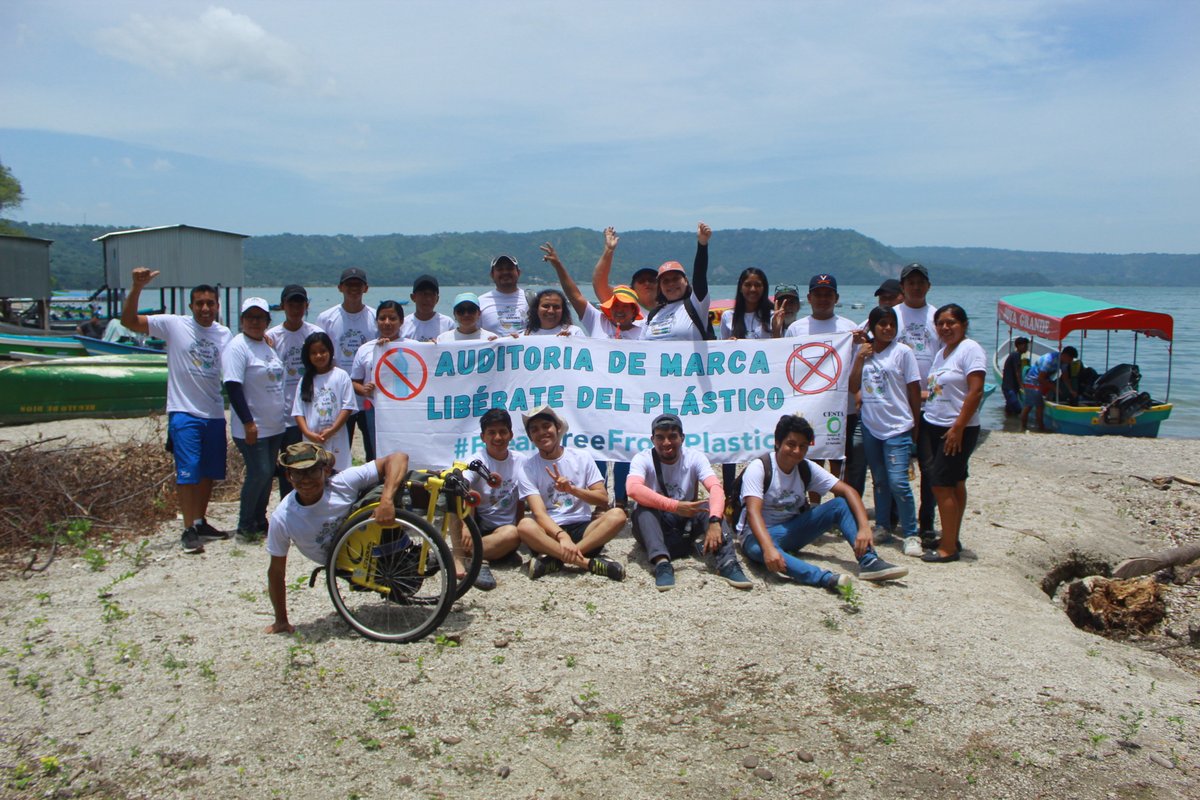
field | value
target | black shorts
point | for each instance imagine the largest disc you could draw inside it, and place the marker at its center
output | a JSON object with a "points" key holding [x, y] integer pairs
{"points": [[576, 530], [945, 470]]}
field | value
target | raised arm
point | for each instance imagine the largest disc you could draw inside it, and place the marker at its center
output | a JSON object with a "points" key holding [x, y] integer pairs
{"points": [[600, 275], [570, 288], [138, 323], [700, 265]]}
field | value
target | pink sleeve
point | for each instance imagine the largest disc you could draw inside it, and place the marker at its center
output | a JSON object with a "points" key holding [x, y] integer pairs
{"points": [[716, 496], [643, 495]]}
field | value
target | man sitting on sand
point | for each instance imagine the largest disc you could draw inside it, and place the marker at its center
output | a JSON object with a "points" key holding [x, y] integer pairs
{"points": [[669, 522], [561, 487], [777, 519], [309, 517]]}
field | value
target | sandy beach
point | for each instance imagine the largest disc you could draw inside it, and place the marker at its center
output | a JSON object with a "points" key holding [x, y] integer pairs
{"points": [[151, 676]]}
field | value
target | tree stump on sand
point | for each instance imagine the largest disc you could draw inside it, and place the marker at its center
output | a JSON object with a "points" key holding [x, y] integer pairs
{"points": [[1106, 606]]}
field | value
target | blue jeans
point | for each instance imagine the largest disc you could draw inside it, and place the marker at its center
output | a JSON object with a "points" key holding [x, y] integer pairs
{"points": [[620, 473], [802, 529], [256, 489], [889, 473]]}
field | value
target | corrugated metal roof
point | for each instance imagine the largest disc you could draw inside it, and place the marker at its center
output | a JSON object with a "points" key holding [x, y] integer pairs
{"points": [[168, 227]]}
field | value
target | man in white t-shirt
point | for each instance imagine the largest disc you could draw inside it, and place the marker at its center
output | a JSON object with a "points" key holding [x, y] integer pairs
{"points": [[505, 308], [561, 487], [823, 298], [288, 340], [499, 507], [669, 522], [350, 324], [777, 519], [310, 516], [195, 408], [916, 329], [424, 324]]}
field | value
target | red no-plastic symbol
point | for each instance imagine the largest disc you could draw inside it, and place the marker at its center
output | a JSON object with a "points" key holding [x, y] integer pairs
{"points": [[399, 371], [810, 359]]}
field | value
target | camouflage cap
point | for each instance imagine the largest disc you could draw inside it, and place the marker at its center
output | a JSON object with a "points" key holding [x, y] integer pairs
{"points": [[304, 455]]}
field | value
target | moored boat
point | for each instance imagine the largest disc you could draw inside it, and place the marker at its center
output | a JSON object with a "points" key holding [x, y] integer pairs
{"points": [[1115, 405], [100, 347], [93, 386], [11, 343]]}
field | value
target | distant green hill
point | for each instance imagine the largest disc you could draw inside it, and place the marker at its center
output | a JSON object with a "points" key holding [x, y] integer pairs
{"points": [[1081, 269], [785, 255]]}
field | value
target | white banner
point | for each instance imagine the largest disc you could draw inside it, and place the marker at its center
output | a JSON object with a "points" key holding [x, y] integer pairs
{"points": [[729, 394]]}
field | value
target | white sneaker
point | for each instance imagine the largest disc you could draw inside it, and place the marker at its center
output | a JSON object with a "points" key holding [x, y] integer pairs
{"points": [[912, 546]]}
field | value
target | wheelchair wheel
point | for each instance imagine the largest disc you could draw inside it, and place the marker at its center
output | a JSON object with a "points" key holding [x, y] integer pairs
{"points": [[390, 584]]}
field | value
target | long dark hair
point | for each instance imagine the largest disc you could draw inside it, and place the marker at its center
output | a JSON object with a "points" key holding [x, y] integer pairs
{"points": [[739, 304], [878, 313], [310, 372], [534, 323]]}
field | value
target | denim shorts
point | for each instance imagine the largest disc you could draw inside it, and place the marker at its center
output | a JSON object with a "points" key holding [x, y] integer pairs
{"points": [[198, 445]]}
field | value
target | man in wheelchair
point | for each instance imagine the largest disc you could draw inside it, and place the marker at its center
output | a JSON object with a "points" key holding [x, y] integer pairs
{"points": [[310, 516]]}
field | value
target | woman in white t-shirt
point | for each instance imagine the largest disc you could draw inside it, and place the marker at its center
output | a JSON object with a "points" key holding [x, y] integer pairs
{"points": [[253, 375], [389, 317], [886, 373], [550, 316], [325, 400], [682, 311], [950, 428], [750, 317]]}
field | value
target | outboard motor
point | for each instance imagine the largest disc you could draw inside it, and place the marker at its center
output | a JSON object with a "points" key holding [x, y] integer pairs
{"points": [[1117, 381], [1116, 391]]}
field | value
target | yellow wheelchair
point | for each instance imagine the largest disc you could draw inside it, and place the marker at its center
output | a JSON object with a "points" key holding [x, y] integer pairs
{"points": [[397, 583]]}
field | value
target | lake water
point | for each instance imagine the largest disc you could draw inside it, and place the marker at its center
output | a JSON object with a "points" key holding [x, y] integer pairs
{"points": [[980, 304]]}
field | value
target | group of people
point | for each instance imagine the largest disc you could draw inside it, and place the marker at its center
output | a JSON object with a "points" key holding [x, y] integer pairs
{"points": [[300, 391]]}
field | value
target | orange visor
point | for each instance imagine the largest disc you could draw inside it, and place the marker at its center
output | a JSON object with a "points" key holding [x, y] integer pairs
{"points": [[622, 294]]}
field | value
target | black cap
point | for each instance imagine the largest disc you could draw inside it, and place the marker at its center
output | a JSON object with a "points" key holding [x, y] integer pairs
{"points": [[665, 421], [353, 274], [293, 290], [890, 286], [653, 273], [909, 269], [426, 282], [824, 279]]}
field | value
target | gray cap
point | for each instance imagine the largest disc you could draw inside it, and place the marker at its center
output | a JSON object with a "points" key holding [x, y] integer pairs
{"points": [[666, 421]]}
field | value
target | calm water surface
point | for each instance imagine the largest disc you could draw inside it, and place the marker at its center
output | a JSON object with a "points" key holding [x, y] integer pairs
{"points": [[980, 304]]}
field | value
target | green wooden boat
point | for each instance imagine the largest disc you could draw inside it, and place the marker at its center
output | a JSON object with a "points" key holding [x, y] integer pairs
{"points": [[15, 344], [94, 386]]}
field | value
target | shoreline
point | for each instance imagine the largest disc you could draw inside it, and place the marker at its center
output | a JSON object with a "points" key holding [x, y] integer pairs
{"points": [[963, 680]]}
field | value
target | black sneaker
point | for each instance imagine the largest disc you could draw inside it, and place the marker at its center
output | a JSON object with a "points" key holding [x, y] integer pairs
{"points": [[191, 541], [543, 565], [207, 531], [610, 569]]}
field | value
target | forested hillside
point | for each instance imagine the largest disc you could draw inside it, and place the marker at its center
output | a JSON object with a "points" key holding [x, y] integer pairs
{"points": [[785, 255]]}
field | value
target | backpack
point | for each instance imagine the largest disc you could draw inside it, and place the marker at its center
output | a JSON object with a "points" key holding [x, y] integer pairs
{"points": [[733, 501], [706, 326]]}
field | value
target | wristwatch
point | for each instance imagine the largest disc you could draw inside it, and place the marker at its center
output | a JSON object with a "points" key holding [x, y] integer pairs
{"points": [[713, 519]]}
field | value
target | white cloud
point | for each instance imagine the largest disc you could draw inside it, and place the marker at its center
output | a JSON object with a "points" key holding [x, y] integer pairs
{"points": [[161, 165], [220, 43]]}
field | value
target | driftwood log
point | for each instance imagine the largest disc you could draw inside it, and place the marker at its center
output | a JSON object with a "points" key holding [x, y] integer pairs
{"points": [[1107, 606], [1153, 562]]}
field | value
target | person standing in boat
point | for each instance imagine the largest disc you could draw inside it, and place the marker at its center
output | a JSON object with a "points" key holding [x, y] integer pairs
{"points": [[195, 408], [288, 340]]}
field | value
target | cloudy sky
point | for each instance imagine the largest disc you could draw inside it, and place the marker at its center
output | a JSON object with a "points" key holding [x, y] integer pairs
{"points": [[1032, 125]]}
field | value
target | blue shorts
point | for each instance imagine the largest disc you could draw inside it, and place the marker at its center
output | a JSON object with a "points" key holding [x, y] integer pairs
{"points": [[198, 445], [1032, 398]]}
